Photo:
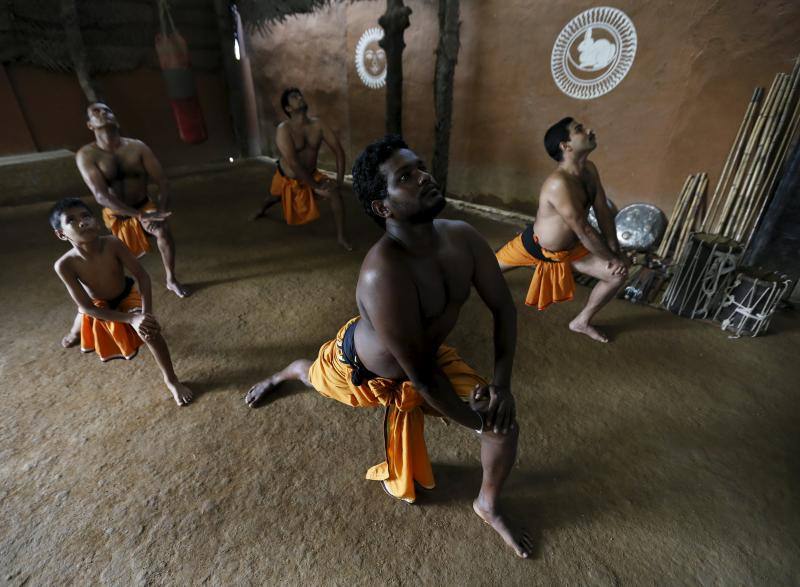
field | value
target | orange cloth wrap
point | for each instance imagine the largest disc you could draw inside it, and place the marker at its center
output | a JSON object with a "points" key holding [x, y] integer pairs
{"points": [[128, 229], [552, 282], [112, 340], [297, 199], [404, 428]]}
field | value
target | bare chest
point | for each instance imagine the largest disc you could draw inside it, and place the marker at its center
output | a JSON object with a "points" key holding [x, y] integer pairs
{"points": [[123, 164], [443, 283], [306, 139], [102, 276]]}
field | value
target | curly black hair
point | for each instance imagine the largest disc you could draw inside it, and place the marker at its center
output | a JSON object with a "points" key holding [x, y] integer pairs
{"points": [[369, 183], [62, 206]]}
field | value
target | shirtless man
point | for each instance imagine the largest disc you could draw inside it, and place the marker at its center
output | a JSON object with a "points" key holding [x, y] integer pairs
{"points": [[115, 318], [117, 170], [412, 285], [562, 236], [297, 180]]}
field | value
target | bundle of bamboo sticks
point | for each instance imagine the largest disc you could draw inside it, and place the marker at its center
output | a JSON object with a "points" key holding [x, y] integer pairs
{"points": [[685, 216], [752, 169]]}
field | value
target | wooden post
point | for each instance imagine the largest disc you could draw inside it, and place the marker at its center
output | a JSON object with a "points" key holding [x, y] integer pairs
{"points": [[233, 76], [446, 59], [77, 49], [394, 22], [248, 90]]}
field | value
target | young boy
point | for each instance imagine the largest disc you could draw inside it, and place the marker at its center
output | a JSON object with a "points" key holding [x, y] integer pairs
{"points": [[114, 318]]}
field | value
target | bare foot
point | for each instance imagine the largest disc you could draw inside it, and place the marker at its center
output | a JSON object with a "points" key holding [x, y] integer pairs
{"points": [[72, 339], [178, 289], [259, 390], [182, 394], [523, 546], [345, 244], [588, 330]]}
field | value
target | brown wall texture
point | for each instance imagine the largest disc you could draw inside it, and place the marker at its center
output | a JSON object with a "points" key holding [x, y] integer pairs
{"points": [[676, 112]]}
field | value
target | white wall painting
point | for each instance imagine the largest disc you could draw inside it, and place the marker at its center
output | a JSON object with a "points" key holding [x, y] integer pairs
{"points": [[593, 53], [371, 59]]}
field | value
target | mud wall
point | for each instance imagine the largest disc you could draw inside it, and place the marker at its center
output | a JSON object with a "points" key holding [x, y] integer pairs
{"points": [[676, 112], [47, 111]]}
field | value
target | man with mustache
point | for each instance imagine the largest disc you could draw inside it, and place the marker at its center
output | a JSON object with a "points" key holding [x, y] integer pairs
{"points": [[412, 285], [297, 181], [561, 238]]}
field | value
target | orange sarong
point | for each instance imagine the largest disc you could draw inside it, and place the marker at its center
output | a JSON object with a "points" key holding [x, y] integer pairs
{"points": [[552, 278], [128, 229], [297, 199], [113, 340], [404, 429]]}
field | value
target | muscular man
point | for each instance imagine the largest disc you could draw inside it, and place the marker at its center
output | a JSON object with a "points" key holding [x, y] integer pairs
{"points": [[562, 237], [117, 170], [297, 181], [412, 285]]}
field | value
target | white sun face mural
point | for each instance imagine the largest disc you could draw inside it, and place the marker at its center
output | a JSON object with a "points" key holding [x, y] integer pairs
{"points": [[593, 53], [371, 59]]}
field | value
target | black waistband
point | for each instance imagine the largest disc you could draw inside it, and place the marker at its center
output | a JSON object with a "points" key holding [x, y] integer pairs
{"points": [[532, 246], [279, 168], [360, 373], [114, 304]]}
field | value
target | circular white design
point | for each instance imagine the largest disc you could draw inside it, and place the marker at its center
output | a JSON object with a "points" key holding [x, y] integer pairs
{"points": [[371, 59], [593, 53]]}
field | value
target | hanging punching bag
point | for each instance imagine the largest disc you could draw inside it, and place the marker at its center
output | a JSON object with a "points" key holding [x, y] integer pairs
{"points": [[173, 56]]}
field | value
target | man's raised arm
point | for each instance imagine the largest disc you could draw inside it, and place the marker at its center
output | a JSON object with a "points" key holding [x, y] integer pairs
{"points": [[391, 302]]}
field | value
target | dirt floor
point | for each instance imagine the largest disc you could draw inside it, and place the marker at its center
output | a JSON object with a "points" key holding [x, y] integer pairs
{"points": [[669, 456]]}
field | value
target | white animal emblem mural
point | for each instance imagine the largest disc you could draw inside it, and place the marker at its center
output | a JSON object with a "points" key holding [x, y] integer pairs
{"points": [[593, 53], [371, 59]]}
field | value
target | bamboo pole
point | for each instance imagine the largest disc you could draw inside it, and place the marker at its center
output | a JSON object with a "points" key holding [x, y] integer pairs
{"points": [[791, 138], [761, 193], [788, 138], [751, 143], [751, 153], [691, 217], [766, 143], [733, 157], [673, 215], [675, 218]]}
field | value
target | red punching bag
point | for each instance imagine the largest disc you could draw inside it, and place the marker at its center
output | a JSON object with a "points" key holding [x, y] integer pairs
{"points": [[173, 56]]}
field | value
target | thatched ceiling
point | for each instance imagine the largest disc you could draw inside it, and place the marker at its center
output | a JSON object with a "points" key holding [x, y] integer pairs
{"points": [[259, 14], [118, 34]]}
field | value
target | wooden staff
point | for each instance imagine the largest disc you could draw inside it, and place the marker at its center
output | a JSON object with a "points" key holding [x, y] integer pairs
{"points": [[673, 218], [788, 138], [766, 144], [733, 157], [791, 136], [748, 150], [751, 153], [760, 191], [691, 217], [677, 219]]}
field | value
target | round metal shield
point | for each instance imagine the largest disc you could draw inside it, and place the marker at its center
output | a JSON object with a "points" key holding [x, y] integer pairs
{"points": [[640, 227], [593, 219]]}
